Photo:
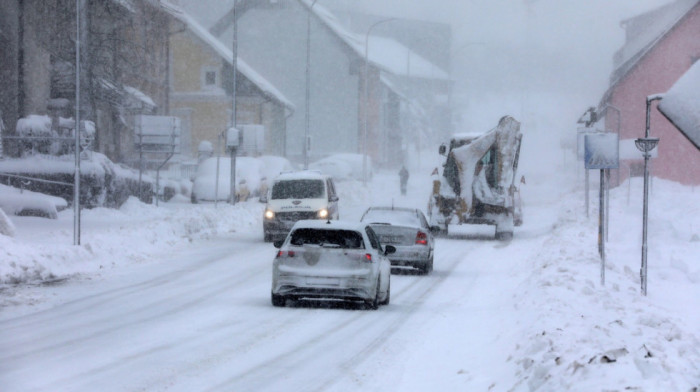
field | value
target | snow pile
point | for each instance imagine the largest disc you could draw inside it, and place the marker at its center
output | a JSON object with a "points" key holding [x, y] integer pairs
{"points": [[252, 172], [681, 104], [109, 237], [584, 336]]}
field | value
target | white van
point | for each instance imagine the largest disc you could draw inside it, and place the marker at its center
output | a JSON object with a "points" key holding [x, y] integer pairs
{"points": [[296, 196]]}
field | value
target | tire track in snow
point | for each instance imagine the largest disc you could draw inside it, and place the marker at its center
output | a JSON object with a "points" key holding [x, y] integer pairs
{"points": [[129, 316], [302, 354]]}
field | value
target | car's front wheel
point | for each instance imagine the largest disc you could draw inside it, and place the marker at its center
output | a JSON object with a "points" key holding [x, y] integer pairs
{"points": [[278, 300]]}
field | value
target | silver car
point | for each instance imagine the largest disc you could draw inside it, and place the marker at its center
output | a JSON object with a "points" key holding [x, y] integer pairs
{"points": [[408, 231], [331, 260]]}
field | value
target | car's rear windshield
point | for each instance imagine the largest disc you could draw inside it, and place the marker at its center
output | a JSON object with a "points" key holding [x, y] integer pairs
{"points": [[346, 239], [298, 189], [394, 217]]}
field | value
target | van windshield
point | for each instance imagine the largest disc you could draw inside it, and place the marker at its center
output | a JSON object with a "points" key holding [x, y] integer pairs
{"points": [[298, 189]]}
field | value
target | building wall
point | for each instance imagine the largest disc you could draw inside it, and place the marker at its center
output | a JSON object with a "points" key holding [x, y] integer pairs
{"points": [[37, 63], [207, 109], [678, 160], [9, 65], [273, 41]]}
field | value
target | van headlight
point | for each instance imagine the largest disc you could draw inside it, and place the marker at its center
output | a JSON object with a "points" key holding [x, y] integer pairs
{"points": [[323, 214], [269, 214]]}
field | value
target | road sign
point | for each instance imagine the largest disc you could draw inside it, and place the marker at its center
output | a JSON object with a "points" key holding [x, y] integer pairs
{"points": [[602, 151]]}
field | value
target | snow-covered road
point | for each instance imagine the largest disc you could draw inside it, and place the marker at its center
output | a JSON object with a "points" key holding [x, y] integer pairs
{"points": [[202, 320]]}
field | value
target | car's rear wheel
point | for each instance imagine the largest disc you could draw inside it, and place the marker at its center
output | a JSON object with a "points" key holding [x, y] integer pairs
{"points": [[428, 268], [388, 295], [374, 302], [278, 300]]}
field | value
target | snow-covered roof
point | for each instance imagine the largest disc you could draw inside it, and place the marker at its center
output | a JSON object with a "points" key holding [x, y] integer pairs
{"points": [[354, 41], [227, 54], [398, 59], [301, 175], [384, 53], [644, 32], [681, 105], [140, 96]]}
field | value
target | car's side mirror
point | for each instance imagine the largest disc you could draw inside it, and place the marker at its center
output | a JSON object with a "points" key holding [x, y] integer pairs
{"points": [[333, 198], [278, 244], [263, 198], [389, 249], [443, 149]]}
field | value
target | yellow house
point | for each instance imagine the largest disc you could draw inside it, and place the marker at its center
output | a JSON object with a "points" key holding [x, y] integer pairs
{"points": [[201, 88]]}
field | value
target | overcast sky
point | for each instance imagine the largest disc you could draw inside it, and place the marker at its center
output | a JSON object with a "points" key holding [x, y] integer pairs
{"points": [[541, 60]]}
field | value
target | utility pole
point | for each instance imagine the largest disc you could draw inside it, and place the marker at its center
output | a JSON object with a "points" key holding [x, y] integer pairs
{"points": [[79, 9], [234, 64]]}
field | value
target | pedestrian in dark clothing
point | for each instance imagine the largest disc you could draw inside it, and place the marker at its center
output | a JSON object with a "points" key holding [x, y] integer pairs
{"points": [[403, 175]]}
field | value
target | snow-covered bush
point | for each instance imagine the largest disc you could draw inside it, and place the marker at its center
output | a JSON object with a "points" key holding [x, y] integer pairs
{"points": [[102, 182]]}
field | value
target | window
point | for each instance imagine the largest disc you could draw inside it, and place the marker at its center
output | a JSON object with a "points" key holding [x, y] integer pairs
{"points": [[298, 189], [210, 78], [345, 239], [373, 239]]}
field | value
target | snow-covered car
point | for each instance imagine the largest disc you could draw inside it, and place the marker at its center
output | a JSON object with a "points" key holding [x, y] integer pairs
{"points": [[344, 166], [339, 170], [408, 231], [332, 260], [15, 201], [295, 196], [252, 175]]}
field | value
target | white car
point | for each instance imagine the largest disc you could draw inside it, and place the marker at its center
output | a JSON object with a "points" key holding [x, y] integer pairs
{"points": [[332, 260], [295, 196]]}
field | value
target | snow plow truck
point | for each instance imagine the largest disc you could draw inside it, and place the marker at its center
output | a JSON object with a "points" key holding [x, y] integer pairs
{"points": [[477, 185]]}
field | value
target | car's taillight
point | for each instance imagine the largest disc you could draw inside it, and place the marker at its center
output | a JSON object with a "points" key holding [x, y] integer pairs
{"points": [[421, 238], [368, 257], [282, 253]]}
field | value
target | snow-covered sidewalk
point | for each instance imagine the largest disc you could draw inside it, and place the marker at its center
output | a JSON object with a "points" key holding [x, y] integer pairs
{"points": [[584, 336]]}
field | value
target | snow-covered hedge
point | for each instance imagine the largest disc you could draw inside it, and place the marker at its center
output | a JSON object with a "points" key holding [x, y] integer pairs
{"points": [[102, 182]]}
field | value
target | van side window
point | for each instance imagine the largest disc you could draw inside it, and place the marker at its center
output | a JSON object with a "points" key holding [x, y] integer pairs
{"points": [[331, 189]]}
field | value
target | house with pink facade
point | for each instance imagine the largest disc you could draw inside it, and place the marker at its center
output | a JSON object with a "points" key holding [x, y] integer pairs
{"points": [[661, 45]]}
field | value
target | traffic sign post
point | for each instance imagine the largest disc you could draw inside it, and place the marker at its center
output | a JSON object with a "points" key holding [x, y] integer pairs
{"points": [[602, 152], [645, 145]]}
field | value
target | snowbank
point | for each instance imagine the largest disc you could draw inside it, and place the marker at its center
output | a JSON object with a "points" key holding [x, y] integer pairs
{"points": [[113, 237], [579, 335]]}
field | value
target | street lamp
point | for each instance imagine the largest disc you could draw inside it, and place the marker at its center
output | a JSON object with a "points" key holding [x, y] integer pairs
{"points": [[366, 103], [308, 88], [645, 145]]}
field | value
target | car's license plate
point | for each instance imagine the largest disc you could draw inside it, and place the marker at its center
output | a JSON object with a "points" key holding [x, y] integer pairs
{"points": [[322, 281], [391, 239]]}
